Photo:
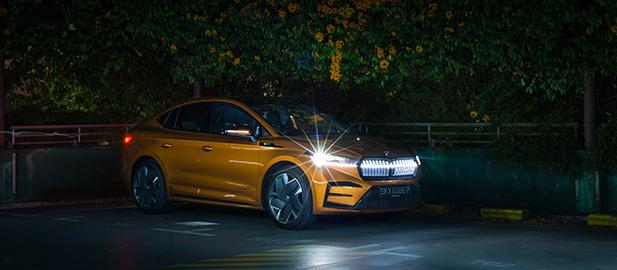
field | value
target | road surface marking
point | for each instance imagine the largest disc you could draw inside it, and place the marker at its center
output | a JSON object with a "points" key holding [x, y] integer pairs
{"points": [[197, 223], [365, 246], [71, 219], [303, 256], [182, 232], [389, 251]]}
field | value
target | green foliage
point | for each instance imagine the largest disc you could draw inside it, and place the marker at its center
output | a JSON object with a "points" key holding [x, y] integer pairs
{"points": [[422, 60], [553, 149]]}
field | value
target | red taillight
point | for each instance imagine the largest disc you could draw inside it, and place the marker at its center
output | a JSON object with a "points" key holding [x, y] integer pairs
{"points": [[127, 139]]}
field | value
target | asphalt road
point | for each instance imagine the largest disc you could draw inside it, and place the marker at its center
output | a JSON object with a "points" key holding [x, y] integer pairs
{"points": [[207, 237]]}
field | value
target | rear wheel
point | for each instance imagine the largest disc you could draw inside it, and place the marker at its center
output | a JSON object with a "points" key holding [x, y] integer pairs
{"points": [[288, 201], [148, 187]]}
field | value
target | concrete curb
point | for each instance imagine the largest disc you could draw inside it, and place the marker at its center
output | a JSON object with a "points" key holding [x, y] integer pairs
{"points": [[602, 220], [498, 213], [433, 209], [37, 204]]}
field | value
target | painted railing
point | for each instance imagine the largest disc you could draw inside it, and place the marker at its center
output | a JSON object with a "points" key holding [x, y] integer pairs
{"points": [[47, 135], [432, 134]]}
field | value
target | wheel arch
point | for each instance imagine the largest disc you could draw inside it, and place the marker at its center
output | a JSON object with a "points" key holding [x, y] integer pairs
{"points": [[264, 180], [143, 158]]}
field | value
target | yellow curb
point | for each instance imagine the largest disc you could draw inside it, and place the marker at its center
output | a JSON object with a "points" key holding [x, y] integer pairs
{"points": [[433, 209], [511, 214], [602, 220]]}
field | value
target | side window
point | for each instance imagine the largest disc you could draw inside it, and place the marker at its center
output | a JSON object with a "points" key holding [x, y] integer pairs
{"points": [[168, 119], [193, 117], [226, 116]]}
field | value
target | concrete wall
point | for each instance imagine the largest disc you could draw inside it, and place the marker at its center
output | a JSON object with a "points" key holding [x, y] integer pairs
{"points": [[466, 176], [60, 172]]}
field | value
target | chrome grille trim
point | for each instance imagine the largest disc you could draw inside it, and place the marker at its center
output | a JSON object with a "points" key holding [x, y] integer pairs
{"points": [[388, 168]]}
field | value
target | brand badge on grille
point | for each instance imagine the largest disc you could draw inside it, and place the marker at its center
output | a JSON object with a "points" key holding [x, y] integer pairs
{"points": [[386, 153]]}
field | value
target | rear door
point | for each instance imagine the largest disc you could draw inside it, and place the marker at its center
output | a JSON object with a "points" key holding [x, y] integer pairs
{"points": [[180, 146]]}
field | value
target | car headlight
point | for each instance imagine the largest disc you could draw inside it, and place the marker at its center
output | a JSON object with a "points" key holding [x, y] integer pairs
{"points": [[322, 159]]}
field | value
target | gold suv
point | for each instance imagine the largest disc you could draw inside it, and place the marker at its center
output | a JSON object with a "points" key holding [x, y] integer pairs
{"points": [[289, 159]]}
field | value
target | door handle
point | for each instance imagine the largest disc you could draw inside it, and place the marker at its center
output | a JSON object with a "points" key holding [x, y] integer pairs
{"points": [[166, 145], [206, 148]]}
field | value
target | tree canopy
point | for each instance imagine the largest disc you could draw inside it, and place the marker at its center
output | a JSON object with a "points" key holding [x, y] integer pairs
{"points": [[473, 56]]}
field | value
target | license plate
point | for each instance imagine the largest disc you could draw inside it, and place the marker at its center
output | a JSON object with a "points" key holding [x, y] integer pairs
{"points": [[394, 191]]}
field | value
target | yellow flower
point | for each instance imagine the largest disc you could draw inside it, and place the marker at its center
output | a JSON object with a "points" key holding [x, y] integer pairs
{"points": [[449, 29], [461, 24], [339, 44], [319, 36], [212, 50], [173, 47], [614, 28], [486, 118], [449, 14], [419, 49], [330, 42], [257, 57], [407, 48], [391, 49], [229, 54], [208, 33], [330, 28], [345, 23], [432, 6], [473, 114], [282, 14], [380, 52], [335, 66], [236, 61], [384, 64], [293, 7]]}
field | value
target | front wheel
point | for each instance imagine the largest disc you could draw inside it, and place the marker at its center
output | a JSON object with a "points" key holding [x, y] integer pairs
{"points": [[289, 202], [148, 187]]}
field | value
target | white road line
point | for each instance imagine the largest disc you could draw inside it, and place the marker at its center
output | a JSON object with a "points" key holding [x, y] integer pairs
{"points": [[401, 254], [182, 232], [71, 219], [197, 223], [365, 246], [388, 251]]}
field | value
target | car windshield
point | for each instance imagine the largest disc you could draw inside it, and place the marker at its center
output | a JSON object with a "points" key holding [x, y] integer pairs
{"points": [[294, 120]]}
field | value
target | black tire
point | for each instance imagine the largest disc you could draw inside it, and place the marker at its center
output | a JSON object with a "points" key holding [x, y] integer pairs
{"points": [[148, 187], [281, 202]]}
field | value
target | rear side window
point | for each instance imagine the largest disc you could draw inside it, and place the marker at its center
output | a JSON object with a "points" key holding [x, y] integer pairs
{"points": [[168, 119], [193, 117]]}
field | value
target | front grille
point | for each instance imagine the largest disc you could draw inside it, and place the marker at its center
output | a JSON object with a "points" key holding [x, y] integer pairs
{"points": [[388, 168]]}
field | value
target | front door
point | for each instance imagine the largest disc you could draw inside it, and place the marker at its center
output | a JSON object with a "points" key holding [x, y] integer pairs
{"points": [[230, 163]]}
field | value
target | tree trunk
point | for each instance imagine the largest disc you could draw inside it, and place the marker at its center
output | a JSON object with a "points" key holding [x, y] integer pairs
{"points": [[198, 89], [2, 94], [589, 111]]}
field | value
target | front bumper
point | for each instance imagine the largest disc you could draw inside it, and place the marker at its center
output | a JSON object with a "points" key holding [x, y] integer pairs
{"points": [[372, 200]]}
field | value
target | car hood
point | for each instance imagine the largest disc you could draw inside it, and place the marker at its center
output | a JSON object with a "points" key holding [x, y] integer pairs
{"points": [[355, 146]]}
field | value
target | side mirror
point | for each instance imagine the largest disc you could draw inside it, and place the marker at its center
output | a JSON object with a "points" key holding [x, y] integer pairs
{"points": [[241, 131]]}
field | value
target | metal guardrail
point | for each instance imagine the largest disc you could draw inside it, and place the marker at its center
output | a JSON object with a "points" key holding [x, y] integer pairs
{"points": [[432, 134], [38, 135]]}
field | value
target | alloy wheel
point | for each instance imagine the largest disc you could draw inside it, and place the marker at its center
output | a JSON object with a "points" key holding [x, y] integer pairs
{"points": [[147, 187], [285, 198]]}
